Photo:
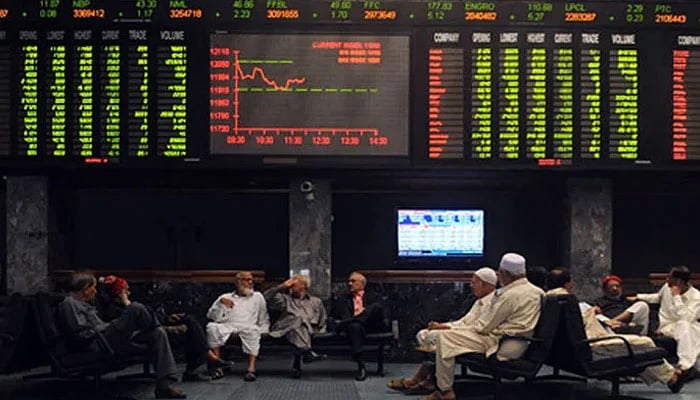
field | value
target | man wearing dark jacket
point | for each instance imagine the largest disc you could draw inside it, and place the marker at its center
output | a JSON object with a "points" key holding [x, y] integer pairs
{"points": [[360, 312], [80, 322], [616, 311]]}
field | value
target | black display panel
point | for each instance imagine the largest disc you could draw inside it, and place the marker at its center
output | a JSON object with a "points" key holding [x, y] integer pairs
{"points": [[309, 94], [436, 84]]}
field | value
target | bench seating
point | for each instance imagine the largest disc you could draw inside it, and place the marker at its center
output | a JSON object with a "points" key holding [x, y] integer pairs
{"points": [[571, 351]]}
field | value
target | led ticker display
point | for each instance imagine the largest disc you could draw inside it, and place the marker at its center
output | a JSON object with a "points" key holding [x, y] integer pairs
{"points": [[5, 137], [437, 83], [308, 94]]}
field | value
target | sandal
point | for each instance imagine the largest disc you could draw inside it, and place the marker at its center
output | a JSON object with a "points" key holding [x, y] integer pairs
{"points": [[250, 376], [435, 396], [397, 384], [216, 373]]}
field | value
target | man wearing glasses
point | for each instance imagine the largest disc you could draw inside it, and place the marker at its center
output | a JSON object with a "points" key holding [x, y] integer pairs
{"points": [[360, 312], [242, 313]]}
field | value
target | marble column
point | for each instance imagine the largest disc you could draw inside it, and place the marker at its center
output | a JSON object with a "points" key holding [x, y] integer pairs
{"points": [[27, 234], [310, 216], [590, 234]]}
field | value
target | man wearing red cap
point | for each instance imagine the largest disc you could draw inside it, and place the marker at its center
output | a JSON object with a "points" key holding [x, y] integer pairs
{"points": [[618, 312]]}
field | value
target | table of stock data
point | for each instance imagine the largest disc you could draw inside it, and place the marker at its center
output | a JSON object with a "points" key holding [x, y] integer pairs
{"points": [[600, 84]]}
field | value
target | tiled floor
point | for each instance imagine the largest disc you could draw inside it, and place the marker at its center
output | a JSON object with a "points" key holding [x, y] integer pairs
{"points": [[328, 380]]}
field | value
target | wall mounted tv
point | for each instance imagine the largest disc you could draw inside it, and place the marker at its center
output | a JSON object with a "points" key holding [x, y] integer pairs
{"points": [[440, 233]]}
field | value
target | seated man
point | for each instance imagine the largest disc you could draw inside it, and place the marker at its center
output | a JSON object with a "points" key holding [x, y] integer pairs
{"points": [[514, 311], [559, 282], [242, 313], [483, 286], [195, 341], [678, 316], [359, 312], [302, 316], [616, 311], [80, 318]]}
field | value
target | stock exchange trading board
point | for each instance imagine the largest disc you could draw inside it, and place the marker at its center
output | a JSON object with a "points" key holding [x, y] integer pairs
{"points": [[473, 84]]}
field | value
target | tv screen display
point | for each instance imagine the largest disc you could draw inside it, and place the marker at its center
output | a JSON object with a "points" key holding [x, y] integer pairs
{"points": [[440, 233]]}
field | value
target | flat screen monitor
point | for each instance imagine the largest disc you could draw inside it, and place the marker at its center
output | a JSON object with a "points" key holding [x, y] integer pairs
{"points": [[440, 233]]}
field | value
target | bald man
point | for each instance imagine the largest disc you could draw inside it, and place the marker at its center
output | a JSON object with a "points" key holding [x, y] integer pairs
{"points": [[360, 312], [242, 313]]}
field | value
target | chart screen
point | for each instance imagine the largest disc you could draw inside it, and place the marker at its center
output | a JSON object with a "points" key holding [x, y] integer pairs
{"points": [[309, 94], [440, 233]]}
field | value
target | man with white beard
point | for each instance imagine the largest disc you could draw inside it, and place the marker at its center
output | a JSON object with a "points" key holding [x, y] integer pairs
{"points": [[242, 313]]}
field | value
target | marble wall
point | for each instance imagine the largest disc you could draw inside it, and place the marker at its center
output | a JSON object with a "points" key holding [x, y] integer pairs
{"points": [[590, 233], [310, 217], [27, 232]]}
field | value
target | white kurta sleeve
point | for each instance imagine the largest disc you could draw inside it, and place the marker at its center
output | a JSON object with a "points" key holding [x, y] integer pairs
{"points": [[502, 309], [653, 298], [263, 320], [685, 311], [217, 311]]}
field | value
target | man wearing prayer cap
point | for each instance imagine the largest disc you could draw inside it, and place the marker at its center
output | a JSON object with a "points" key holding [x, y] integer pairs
{"points": [[514, 311], [616, 311], [483, 286]]}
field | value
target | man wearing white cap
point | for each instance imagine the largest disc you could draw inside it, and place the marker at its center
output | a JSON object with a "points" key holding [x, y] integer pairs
{"points": [[483, 286], [515, 311]]}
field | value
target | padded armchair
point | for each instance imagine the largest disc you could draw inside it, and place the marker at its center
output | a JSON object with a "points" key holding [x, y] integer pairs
{"points": [[571, 351], [537, 351], [67, 363]]}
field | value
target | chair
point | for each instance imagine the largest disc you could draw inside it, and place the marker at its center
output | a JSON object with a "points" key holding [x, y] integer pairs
{"points": [[530, 363], [571, 351], [69, 364]]}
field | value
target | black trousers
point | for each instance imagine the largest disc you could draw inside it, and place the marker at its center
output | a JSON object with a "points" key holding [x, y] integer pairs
{"points": [[195, 343], [370, 320]]}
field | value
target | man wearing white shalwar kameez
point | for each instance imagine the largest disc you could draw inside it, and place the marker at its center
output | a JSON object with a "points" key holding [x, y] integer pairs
{"points": [[678, 316], [515, 311], [559, 282], [243, 314], [483, 286]]}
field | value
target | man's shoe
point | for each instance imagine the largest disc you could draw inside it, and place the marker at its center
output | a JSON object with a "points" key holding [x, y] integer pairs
{"points": [[684, 377], [195, 377], [361, 374], [221, 363], [311, 356], [170, 393], [296, 373]]}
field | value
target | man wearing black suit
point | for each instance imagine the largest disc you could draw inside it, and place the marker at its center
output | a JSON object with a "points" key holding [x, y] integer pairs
{"points": [[360, 312]]}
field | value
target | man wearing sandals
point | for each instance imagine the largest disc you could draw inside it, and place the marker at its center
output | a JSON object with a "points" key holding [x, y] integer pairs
{"points": [[679, 317], [483, 286], [559, 282], [515, 311], [242, 313]]}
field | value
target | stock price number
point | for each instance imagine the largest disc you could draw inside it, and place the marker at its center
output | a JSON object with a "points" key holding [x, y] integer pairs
{"points": [[182, 13], [243, 9], [635, 13], [438, 10], [340, 9]]}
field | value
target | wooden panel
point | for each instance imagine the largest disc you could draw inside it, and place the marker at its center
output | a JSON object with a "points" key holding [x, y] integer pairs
{"points": [[133, 275], [416, 276], [658, 279]]}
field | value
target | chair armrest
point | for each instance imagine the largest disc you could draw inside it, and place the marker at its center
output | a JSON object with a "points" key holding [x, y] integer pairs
{"points": [[520, 338], [7, 338], [630, 352], [104, 344]]}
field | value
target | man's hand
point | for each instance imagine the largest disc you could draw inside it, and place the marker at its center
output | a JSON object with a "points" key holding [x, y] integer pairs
{"points": [[614, 324], [227, 302], [288, 283], [360, 311], [596, 310], [124, 299], [632, 298], [173, 318], [675, 290], [432, 325]]}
